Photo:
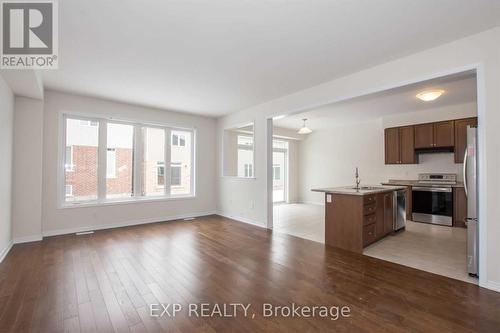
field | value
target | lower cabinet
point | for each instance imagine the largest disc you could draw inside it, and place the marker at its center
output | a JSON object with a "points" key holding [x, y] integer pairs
{"points": [[355, 221], [379, 222]]}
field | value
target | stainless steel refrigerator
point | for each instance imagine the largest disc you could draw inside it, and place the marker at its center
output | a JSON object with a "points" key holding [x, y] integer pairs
{"points": [[470, 185]]}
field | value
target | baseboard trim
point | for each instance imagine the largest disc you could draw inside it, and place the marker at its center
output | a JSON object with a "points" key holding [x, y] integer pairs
{"points": [[6, 251], [492, 285], [242, 219], [28, 239], [57, 232]]}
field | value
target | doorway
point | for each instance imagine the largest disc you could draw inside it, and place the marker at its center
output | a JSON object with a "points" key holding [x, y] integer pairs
{"points": [[280, 171]]}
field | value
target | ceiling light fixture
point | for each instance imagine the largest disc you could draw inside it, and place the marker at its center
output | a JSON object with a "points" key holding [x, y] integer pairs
{"points": [[304, 129], [430, 95]]}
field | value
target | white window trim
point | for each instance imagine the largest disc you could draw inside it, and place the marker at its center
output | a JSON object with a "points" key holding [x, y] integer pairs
{"points": [[71, 166], [101, 167]]}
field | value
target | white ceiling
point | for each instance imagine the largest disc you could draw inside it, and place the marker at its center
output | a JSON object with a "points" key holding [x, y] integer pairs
{"points": [[459, 89], [219, 56]]}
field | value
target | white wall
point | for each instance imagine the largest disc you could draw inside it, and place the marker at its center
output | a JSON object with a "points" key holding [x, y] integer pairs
{"points": [[27, 174], [480, 51], [55, 220], [328, 157], [6, 130]]}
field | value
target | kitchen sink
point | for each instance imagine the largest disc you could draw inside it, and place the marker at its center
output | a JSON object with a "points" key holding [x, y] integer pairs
{"points": [[367, 188]]}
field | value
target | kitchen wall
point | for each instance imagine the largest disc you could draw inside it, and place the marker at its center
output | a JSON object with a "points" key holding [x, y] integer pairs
{"points": [[6, 133], [56, 220], [329, 157], [248, 199]]}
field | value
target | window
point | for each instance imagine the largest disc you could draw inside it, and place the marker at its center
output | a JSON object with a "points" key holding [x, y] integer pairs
{"points": [[245, 156], [111, 163], [176, 172], [83, 159], [276, 172], [119, 160], [89, 123], [160, 173], [178, 140], [248, 170], [153, 154], [69, 190], [181, 163], [68, 165], [134, 161]]}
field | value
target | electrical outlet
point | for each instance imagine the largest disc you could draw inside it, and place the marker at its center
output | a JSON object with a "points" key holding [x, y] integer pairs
{"points": [[252, 204]]}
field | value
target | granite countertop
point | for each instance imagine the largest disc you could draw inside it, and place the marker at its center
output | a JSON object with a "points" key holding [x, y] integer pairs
{"points": [[408, 182], [351, 191]]}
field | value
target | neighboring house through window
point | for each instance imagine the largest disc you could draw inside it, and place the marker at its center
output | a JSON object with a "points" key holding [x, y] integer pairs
{"points": [[69, 190], [111, 163], [276, 172], [248, 170], [160, 173], [178, 140], [176, 173]]}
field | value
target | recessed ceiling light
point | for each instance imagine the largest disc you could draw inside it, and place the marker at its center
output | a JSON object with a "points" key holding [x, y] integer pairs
{"points": [[304, 129], [430, 95]]}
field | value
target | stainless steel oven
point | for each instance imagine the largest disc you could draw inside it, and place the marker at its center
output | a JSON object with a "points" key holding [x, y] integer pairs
{"points": [[433, 204]]}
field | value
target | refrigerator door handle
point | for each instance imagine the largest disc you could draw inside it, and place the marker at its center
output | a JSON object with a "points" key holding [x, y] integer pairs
{"points": [[465, 172]]}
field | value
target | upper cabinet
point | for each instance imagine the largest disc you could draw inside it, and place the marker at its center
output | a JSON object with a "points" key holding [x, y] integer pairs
{"points": [[435, 135], [444, 134], [403, 143], [461, 137], [399, 145]]}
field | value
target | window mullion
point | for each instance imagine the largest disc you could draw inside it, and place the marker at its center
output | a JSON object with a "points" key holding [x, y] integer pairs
{"points": [[101, 160], [168, 155], [138, 161], [193, 164]]}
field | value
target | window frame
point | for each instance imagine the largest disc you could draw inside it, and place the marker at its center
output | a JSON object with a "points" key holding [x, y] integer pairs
{"points": [[69, 167], [137, 195]]}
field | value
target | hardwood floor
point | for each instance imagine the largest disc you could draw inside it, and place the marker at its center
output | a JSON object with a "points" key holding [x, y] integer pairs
{"points": [[106, 282]]}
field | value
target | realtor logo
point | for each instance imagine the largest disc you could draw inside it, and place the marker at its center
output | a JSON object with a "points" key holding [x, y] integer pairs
{"points": [[29, 34]]}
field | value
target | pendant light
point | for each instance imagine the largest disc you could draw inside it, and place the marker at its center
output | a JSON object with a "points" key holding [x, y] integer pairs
{"points": [[304, 129]]}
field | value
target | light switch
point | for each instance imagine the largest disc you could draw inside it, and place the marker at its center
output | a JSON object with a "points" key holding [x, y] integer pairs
{"points": [[328, 198]]}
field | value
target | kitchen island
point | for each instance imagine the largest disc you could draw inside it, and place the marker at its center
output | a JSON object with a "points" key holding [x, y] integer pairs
{"points": [[357, 217]]}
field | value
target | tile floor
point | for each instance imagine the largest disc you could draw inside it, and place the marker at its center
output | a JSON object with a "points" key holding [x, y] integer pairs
{"points": [[436, 249], [301, 220]]}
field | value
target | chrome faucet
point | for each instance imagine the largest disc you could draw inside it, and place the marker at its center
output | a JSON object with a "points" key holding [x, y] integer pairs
{"points": [[358, 181]]}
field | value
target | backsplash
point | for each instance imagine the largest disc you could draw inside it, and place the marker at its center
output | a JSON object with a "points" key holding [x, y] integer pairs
{"points": [[428, 163]]}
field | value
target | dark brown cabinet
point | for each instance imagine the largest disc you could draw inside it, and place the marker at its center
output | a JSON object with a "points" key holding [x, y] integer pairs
{"points": [[402, 144], [435, 135], [461, 137], [424, 136], [355, 221], [399, 145], [459, 207], [444, 134]]}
